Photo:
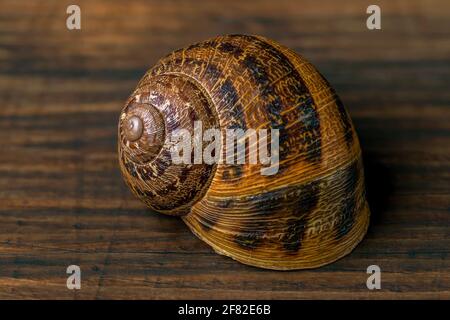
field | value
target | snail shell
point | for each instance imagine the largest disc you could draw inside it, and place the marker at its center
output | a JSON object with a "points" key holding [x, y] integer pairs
{"points": [[310, 213]]}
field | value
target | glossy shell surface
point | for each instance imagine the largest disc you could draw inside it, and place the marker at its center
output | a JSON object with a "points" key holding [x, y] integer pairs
{"points": [[311, 213]]}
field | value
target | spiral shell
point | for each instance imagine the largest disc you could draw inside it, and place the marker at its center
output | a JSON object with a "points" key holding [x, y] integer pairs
{"points": [[310, 213]]}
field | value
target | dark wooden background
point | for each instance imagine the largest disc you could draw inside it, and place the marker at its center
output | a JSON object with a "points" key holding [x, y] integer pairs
{"points": [[62, 199]]}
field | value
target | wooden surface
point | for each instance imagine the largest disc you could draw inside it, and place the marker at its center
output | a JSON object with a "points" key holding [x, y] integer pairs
{"points": [[62, 199]]}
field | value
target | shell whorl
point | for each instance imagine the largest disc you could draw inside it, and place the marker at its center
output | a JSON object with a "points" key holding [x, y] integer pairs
{"points": [[142, 132], [161, 106], [312, 212]]}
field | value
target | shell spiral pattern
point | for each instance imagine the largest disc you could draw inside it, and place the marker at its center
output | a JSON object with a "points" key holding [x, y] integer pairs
{"points": [[312, 212]]}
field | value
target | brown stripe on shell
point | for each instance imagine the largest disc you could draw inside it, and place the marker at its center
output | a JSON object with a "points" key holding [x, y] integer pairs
{"points": [[251, 240], [305, 111], [352, 194], [297, 204], [343, 114], [232, 172], [297, 225], [191, 182], [346, 122], [295, 230]]}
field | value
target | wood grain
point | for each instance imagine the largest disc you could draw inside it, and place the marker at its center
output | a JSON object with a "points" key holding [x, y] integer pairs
{"points": [[63, 201]]}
